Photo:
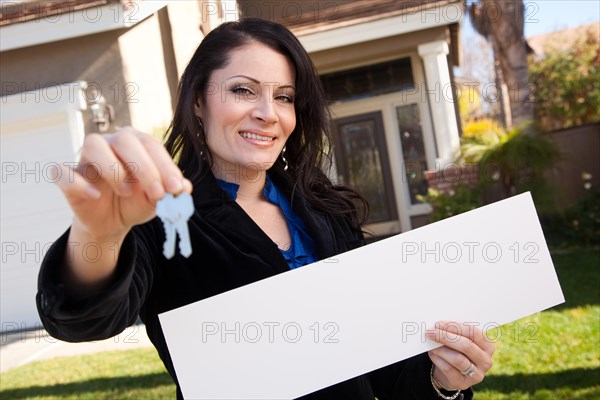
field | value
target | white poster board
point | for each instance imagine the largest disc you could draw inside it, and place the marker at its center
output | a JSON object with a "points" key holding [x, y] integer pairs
{"points": [[324, 323]]}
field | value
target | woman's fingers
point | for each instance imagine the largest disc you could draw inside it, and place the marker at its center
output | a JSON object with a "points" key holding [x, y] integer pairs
{"points": [[463, 344], [187, 186], [148, 163], [99, 163], [118, 180], [449, 376], [72, 184], [454, 363], [470, 331], [466, 338], [456, 359], [125, 163], [140, 169], [171, 176]]}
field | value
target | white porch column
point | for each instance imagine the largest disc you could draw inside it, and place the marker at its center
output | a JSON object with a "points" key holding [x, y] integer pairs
{"points": [[441, 99]]}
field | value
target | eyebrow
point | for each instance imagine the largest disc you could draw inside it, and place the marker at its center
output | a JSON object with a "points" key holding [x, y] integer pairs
{"points": [[289, 86]]}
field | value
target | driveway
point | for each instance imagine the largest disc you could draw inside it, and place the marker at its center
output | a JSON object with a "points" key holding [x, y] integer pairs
{"points": [[19, 348]]}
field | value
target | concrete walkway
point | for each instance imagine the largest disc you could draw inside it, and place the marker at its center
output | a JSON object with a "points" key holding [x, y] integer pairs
{"points": [[20, 348]]}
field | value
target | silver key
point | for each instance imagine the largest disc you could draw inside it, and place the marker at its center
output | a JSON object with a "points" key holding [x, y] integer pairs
{"points": [[184, 206], [165, 211], [175, 213]]}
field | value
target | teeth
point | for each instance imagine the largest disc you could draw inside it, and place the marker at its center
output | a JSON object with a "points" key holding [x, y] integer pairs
{"points": [[249, 135]]}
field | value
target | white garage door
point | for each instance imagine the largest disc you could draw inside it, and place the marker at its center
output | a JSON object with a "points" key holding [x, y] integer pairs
{"points": [[37, 130]]}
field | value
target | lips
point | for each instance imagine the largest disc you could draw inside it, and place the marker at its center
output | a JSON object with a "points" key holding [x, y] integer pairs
{"points": [[256, 136]]}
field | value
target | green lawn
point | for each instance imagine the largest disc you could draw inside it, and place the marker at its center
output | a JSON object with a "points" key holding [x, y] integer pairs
{"points": [[551, 355], [131, 374], [554, 354]]}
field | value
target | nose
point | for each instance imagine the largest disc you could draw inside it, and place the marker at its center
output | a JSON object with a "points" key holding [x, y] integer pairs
{"points": [[264, 108]]}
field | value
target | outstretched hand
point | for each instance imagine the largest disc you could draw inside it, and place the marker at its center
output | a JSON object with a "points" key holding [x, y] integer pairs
{"points": [[118, 180]]}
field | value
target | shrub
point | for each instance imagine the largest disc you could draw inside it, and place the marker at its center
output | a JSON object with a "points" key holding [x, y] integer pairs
{"points": [[481, 128], [456, 201], [518, 159], [578, 226], [568, 84]]}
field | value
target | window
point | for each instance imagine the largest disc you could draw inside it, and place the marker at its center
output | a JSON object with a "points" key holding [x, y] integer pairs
{"points": [[369, 81], [413, 150]]}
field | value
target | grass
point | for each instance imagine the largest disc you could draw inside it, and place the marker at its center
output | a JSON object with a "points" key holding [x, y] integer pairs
{"points": [[552, 355], [132, 374]]}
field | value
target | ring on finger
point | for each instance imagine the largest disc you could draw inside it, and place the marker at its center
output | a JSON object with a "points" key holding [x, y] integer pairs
{"points": [[469, 371]]}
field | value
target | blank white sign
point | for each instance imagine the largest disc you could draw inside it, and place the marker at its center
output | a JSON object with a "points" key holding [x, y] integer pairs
{"points": [[327, 322]]}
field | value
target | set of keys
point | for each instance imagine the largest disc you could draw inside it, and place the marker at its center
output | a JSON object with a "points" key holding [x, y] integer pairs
{"points": [[174, 213]]}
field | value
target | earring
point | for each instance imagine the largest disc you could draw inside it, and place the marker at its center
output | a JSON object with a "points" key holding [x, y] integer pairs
{"points": [[201, 126], [285, 168]]}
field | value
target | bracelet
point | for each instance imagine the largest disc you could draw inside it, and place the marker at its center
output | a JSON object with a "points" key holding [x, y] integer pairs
{"points": [[437, 386]]}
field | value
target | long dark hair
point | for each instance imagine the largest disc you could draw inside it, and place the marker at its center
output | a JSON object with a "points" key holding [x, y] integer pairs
{"points": [[308, 147]]}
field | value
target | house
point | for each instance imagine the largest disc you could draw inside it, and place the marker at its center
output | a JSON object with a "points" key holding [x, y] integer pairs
{"points": [[76, 67], [65, 65], [386, 67]]}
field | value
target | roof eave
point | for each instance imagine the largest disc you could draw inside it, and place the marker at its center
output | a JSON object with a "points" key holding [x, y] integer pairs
{"points": [[75, 24], [381, 28]]}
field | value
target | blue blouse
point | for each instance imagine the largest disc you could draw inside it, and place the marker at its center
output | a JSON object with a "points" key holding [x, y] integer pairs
{"points": [[302, 248]]}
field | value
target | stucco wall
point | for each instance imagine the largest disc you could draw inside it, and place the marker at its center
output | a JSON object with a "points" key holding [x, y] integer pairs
{"points": [[146, 88], [93, 58], [155, 54], [126, 65], [185, 19]]}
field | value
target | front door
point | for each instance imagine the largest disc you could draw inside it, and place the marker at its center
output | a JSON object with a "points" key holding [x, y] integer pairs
{"points": [[383, 140], [382, 146], [362, 163]]}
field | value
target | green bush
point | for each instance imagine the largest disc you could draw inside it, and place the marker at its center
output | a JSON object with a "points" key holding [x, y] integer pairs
{"points": [[576, 227], [516, 159], [460, 199], [568, 84], [510, 162]]}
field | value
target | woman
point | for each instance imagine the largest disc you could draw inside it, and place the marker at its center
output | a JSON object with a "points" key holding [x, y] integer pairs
{"points": [[249, 134]]}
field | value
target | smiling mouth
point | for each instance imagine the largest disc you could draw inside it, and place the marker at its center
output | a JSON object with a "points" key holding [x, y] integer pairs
{"points": [[248, 135]]}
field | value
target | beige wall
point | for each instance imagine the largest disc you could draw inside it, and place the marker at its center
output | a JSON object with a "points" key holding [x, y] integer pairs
{"points": [[146, 89], [185, 19], [93, 58], [181, 33], [155, 53], [136, 69]]}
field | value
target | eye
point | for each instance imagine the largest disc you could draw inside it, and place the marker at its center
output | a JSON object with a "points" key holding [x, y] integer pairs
{"points": [[285, 98], [243, 91]]}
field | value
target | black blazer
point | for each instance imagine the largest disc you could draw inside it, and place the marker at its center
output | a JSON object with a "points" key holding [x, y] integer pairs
{"points": [[229, 251]]}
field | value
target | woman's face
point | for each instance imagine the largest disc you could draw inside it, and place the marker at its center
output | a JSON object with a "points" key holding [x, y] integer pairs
{"points": [[249, 111]]}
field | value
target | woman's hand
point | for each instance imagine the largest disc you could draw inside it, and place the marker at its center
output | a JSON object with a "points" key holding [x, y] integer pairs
{"points": [[116, 185], [464, 358], [117, 182]]}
